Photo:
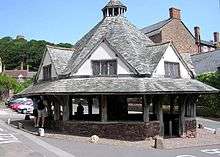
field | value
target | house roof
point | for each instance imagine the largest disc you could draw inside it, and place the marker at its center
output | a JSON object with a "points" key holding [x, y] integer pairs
{"points": [[188, 60], [16, 73], [207, 43], [133, 45], [119, 85], [156, 26], [114, 3], [206, 62], [60, 57]]}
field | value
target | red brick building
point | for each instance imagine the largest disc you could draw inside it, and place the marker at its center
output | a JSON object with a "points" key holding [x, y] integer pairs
{"points": [[173, 29]]}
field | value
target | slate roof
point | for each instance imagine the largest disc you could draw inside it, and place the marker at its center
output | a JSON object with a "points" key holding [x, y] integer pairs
{"points": [[119, 85], [156, 26], [16, 73], [133, 45], [60, 57], [207, 43], [206, 62], [188, 60], [115, 3]]}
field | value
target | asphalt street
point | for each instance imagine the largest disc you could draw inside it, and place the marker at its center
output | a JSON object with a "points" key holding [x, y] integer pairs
{"points": [[16, 143]]}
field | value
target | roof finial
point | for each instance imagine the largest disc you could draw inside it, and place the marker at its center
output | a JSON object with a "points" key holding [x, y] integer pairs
{"points": [[114, 8]]}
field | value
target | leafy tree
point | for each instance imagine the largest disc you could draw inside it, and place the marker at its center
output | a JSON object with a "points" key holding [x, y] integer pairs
{"points": [[210, 104], [15, 51]]}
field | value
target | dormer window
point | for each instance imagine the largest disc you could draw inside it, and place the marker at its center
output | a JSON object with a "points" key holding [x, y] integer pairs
{"points": [[47, 72], [104, 67], [172, 70]]}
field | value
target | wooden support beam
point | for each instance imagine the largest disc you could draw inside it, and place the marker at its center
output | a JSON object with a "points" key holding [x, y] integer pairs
{"points": [[90, 103], [156, 102], [160, 111], [182, 103], [66, 111], [70, 107], [56, 110], [146, 108], [104, 116]]}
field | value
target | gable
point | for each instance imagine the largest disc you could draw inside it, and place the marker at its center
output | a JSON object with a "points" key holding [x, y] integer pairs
{"points": [[47, 61], [102, 52], [171, 56], [179, 34]]}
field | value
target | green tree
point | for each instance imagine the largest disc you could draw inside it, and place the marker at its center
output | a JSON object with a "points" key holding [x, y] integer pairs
{"points": [[210, 104], [15, 51]]}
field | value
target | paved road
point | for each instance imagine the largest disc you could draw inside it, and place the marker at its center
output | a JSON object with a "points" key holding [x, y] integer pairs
{"points": [[208, 123], [16, 143]]}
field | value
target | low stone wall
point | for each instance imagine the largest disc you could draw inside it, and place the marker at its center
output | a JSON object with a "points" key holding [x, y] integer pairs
{"points": [[190, 127], [131, 131]]}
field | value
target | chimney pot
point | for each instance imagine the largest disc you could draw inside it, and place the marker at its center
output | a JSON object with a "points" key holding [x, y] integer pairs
{"points": [[216, 37], [197, 34], [175, 13]]}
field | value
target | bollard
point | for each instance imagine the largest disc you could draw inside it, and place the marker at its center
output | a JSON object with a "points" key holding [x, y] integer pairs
{"points": [[41, 132], [9, 121], [159, 143]]}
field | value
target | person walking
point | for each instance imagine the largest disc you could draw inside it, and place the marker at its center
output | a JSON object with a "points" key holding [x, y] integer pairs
{"points": [[42, 113]]}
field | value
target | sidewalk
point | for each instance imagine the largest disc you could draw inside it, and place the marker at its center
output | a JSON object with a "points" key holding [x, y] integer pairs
{"points": [[203, 138]]}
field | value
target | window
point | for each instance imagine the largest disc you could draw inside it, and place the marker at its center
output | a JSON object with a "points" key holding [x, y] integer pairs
{"points": [[47, 72], [104, 67], [218, 69], [172, 70]]}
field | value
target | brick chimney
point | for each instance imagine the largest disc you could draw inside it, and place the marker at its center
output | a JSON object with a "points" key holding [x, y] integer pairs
{"points": [[175, 13], [197, 35], [198, 38], [216, 37]]}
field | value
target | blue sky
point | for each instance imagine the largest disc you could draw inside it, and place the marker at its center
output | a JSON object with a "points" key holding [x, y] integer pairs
{"points": [[68, 20]]}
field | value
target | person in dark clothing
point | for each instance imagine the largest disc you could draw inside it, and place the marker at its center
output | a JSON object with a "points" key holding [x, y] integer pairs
{"points": [[35, 112], [42, 112], [80, 111]]}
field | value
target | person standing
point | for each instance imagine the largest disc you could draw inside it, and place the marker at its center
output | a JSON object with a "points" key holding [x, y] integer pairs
{"points": [[35, 112], [42, 113]]}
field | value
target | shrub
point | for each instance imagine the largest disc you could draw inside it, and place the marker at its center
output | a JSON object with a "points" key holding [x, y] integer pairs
{"points": [[209, 105]]}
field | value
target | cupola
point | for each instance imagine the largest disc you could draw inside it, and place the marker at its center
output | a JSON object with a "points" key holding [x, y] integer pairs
{"points": [[114, 8]]}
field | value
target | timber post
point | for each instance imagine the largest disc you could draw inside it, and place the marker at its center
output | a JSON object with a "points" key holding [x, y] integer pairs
{"points": [[66, 112], [90, 102], [104, 116], [160, 111], [146, 108], [182, 103]]}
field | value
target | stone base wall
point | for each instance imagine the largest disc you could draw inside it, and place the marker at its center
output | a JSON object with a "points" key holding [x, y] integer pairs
{"points": [[190, 127], [131, 131]]}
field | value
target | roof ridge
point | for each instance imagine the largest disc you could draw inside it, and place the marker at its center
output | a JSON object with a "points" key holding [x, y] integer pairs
{"points": [[201, 53], [155, 24], [60, 48], [159, 44]]}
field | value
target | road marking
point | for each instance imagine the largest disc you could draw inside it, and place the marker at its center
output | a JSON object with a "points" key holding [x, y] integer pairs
{"points": [[8, 138], [51, 148], [211, 151], [1, 130], [185, 156]]}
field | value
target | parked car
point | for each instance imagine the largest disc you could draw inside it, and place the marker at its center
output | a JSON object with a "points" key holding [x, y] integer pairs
{"points": [[26, 107], [14, 106], [12, 101]]}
